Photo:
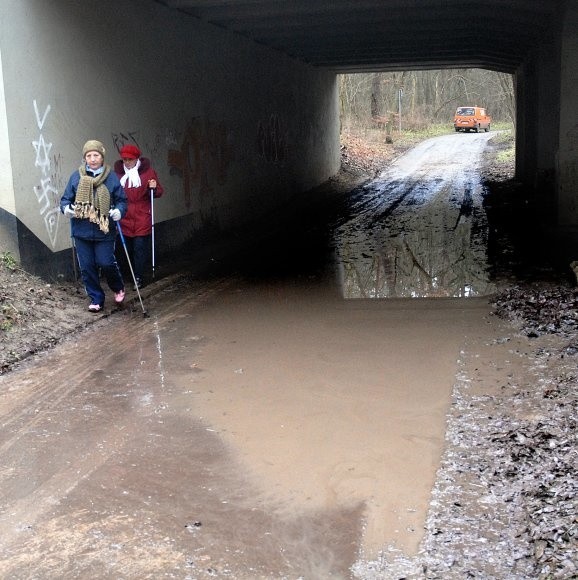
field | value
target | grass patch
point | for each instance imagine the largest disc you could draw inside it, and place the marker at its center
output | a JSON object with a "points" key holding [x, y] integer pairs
{"points": [[427, 132], [8, 261], [506, 156], [504, 137]]}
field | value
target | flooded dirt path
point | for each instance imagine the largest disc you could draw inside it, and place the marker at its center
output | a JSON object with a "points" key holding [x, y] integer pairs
{"points": [[420, 229], [252, 427]]}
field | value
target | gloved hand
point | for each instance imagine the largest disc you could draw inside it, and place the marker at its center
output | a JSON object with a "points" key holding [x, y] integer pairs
{"points": [[69, 211], [114, 214]]}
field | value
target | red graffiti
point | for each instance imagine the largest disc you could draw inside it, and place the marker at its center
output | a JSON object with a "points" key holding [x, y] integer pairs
{"points": [[203, 158]]}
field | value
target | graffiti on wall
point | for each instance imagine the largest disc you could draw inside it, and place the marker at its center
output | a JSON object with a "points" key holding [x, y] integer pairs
{"points": [[50, 168], [272, 140], [119, 140], [153, 150], [203, 158]]}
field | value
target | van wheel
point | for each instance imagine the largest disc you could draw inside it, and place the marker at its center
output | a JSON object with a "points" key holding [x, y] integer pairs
{"points": [[457, 129]]}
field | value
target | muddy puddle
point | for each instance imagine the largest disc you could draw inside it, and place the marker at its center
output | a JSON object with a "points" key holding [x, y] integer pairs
{"points": [[419, 230], [255, 427]]}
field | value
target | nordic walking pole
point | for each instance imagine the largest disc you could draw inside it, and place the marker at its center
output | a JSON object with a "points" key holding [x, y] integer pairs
{"points": [[74, 257], [153, 229], [131, 270]]}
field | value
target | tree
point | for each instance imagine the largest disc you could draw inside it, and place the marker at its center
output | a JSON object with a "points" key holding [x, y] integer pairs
{"points": [[429, 96]]}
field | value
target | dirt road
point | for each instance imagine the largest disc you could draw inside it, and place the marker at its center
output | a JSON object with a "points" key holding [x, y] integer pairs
{"points": [[258, 426], [419, 230]]}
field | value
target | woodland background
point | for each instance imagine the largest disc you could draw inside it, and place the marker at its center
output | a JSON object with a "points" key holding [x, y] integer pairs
{"points": [[428, 98]]}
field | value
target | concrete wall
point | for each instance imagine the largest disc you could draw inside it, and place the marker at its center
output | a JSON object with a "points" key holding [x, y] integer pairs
{"points": [[233, 129]]}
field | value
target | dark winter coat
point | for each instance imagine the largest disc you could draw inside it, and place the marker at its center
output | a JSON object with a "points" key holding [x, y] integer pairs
{"points": [[83, 228], [138, 220]]}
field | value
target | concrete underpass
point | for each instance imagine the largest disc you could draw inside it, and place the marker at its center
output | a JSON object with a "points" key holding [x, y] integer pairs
{"points": [[231, 100], [286, 417]]}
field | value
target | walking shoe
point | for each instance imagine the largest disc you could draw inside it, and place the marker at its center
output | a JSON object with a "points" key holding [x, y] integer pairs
{"points": [[119, 296], [138, 284], [95, 308]]}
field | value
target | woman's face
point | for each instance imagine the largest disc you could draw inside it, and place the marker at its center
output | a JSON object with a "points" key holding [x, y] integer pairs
{"points": [[94, 159], [129, 163]]}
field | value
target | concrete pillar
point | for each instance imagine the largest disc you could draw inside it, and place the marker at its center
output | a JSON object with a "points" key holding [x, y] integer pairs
{"points": [[537, 124], [547, 122], [8, 224], [567, 170], [526, 105]]}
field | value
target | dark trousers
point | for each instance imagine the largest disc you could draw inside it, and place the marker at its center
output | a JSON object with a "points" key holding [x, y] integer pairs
{"points": [[139, 250], [94, 258]]}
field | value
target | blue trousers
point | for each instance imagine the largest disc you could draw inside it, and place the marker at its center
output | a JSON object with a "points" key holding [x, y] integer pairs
{"points": [[94, 257], [139, 250]]}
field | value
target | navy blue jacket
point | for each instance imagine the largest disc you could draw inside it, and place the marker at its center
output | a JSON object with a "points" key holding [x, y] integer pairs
{"points": [[83, 228]]}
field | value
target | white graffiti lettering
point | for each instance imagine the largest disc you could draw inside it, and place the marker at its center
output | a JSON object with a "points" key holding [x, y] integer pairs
{"points": [[46, 193], [39, 121], [43, 193], [51, 223]]}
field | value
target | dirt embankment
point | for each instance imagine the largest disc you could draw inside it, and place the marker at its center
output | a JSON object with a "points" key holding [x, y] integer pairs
{"points": [[35, 315]]}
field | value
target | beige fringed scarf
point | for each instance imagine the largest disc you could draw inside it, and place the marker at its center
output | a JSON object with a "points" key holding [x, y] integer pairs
{"points": [[93, 198]]}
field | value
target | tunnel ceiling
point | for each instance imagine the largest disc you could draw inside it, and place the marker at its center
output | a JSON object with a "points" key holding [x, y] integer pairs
{"points": [[386, 35]]}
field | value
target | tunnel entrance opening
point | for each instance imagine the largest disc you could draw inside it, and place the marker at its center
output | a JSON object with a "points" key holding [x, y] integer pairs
{"points": [[422, 231]]}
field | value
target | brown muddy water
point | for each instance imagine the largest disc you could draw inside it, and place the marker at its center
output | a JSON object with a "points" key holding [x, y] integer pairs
{"points": [[283, 422]]}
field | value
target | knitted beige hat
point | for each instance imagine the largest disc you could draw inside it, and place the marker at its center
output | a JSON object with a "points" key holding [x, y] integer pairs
{"points": [[93, 145]]}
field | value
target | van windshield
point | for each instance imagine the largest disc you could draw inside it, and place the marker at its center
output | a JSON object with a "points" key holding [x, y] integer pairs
{"points": [[465, 111]]}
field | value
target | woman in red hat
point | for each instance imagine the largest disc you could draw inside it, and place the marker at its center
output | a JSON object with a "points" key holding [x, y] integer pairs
{"points": [[137, 178]]}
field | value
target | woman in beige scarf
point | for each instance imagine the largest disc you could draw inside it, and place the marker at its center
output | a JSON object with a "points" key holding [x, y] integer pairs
{"points": [[95, 200]]}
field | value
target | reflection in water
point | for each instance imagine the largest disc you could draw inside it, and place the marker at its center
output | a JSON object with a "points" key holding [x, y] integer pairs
{"points": [[417, 234]]}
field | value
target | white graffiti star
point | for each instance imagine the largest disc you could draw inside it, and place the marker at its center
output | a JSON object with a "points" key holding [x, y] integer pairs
{"points": [[42, 154]]}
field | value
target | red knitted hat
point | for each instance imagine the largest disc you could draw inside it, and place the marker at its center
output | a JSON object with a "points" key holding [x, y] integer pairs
{"points": [[130, 152]]}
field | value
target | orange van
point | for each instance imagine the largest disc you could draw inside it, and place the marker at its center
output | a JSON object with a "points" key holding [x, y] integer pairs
{"points": [[471, 119]]}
